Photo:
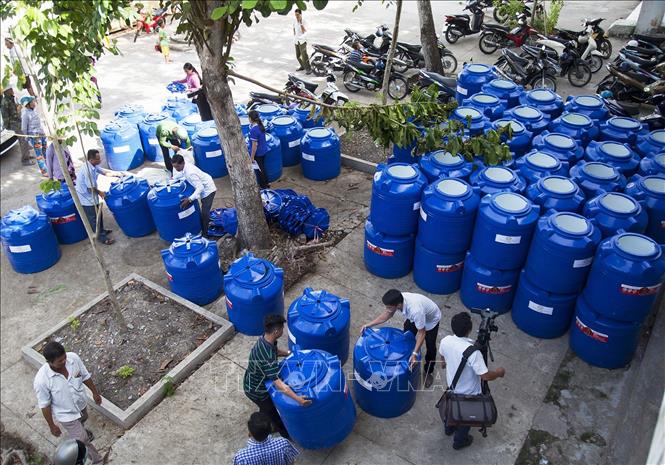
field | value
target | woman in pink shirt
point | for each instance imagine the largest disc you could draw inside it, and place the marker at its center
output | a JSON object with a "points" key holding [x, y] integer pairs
{"points": [[196, 91]]}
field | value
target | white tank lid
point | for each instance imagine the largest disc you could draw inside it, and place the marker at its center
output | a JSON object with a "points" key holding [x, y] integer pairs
{"points": [[542, 160], [452, 187], [510, 202], [637, 245], [499, 174], [401, 171], [573, 224], [208, 132], [615, 149], [618, 203], [655, 184], [599, 170], [446, 158], [559, 185]]}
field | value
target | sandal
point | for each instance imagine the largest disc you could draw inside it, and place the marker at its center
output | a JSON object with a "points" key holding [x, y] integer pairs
{"points": [[108, 241]]}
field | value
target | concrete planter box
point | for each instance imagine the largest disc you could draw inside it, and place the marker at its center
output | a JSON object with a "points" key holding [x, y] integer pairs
{"points": [[141, 406], [358, 164]]}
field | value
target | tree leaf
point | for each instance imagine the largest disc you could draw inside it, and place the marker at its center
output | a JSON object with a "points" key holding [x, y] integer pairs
{"points": [[278, 5], [249, 4], [218, 12], [320, 4]]}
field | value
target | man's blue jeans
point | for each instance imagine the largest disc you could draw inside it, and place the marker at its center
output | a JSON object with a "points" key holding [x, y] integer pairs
{"points": [[90, 213], [461, 434]]}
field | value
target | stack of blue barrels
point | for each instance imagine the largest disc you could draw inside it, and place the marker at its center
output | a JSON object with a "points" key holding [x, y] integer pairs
{"points": [[391, 228], [320, 154], [294, 213], [29, 240]]}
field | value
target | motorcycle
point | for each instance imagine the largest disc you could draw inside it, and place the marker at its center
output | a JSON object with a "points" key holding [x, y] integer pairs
{"points": [[381, 35], [412, 57], [587, 45], [598, 34], [573, 66], [149, 23], [534, 68], [628, 82], [496, 36], [446, 85], [654, 120], [360, 75], [302, 88], [464, 25], [326, 59]]}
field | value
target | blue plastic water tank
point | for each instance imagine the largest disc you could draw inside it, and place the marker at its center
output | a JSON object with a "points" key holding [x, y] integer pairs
{"points": [[495, 179], [171, 221], [563, 146], [556, 193], [600, 341], [594, 178], [506, 90], [61, 212], [241, 109], [484, 287], [190, 123], [29, 240], [132, 113], [308, 121], [540, 313], [622, 129], [504, 226], [520, 141], [148, 133], [127, 199], [576, 125], [383, 385], [444, 164], [545, 100], [536, 164], [650, 192], [122, 145], [436, 272], [626, 276], [208, 152], [387, 256], [269, 111], [561, 252], [396, 192], [330, 418], [489, 105], [447, 215], [652, 164], [653, 143], [192, 269], [614, 153], [254, 288], [244, 125], [289, 131], [472, 78], [531, 117], [320, 320], [479, 123], [614, 211], [590, 105], [321, 157], [273, 158], [403, 154]]}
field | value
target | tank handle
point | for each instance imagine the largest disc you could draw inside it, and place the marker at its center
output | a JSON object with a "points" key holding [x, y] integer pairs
{"points": [[256, 295], [330, 329], [371, 332]]}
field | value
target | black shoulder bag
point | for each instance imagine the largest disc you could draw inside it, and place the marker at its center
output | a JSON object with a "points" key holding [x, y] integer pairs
{"points": [[476, 410]]}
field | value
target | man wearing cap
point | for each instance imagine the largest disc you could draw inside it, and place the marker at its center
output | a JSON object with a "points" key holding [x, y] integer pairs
{"points": [[31, 126], [12, 121], [171, 136]]}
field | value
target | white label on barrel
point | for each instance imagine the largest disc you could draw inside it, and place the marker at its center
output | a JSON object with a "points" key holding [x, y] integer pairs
{"points": [[214, 153], [121, 149], [361, 381], [153, 141], [185, 213], [294, 143], [462, 90], [423, 215], [600, 337], [380, 251], [292, 338], [581, 263], [638, 290], [508, 239], [540, 308], [308, 157], [20, 248], [416, 206]]}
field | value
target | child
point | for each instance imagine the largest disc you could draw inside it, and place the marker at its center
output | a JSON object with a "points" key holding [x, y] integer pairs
{"points": [[163, 42]]}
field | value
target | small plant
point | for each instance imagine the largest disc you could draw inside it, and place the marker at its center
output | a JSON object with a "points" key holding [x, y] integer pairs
{"points": [[510, 10], [74, 323], [49, 185], [125, 371], [547, 21], [169, 387]]}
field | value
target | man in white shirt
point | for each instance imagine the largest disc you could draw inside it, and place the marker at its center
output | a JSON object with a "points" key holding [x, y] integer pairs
{"points": [[451, 349], [61, 395], [422, 319], [204, 187], [300, 40]]}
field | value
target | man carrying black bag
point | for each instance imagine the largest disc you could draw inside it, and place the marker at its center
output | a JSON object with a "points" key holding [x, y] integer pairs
{"points": [[452, 350]]}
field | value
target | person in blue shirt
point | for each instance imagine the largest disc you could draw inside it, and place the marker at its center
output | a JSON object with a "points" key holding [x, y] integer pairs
{"points": [[258, 147], [356, 54], [262, 448]]}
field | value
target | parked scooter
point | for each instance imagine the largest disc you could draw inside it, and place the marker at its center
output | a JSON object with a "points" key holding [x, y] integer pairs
{"points": [[464, 25], [149, 23], [586, 45], [359, 75], [495, 36], [446, 85], [378, 42], [628, 82], [326, 59], [412, 57], [534, 68], [302, 88]]}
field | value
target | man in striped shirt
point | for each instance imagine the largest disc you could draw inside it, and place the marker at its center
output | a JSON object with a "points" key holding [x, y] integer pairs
{"points": [[262, 448], [263, 366]]}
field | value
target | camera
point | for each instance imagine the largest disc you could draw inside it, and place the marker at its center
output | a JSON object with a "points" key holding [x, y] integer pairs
{"points": [[486, 328]]}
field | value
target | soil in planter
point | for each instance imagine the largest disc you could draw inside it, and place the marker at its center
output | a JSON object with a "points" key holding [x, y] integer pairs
{"points": [[359, 144], [160, 333]]}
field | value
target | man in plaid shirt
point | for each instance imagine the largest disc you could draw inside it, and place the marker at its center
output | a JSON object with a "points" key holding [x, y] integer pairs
{"points": [[262, 448]]}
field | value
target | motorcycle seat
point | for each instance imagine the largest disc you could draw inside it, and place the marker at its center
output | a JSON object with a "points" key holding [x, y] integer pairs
{"points": [[263, 95], [515, 58], [595, 22], [310, 86], [412, 47], [462, 16], [444, 80], [496, 27], [643, 61], [657, 41], [362, 66], [567, 34], [325, 47]]}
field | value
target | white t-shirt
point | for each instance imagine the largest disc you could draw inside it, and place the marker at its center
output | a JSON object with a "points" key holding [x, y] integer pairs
{"points": [[421, 310], [201, 181], [451, 349], [300, 37]]}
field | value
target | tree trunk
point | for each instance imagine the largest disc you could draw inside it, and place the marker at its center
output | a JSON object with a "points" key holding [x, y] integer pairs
{"points": [[428, 38], [252, 226], [391, 54]]}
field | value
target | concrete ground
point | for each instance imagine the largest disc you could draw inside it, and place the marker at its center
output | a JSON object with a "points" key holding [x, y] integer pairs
{"points": [[204, 423]]}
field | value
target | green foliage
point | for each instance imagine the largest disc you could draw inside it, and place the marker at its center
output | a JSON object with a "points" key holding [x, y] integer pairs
{"points": [[63, 36], [50, 185], [169, 387], [423, 121], [547, 23], [74, 323], [125, 371], [360, 3], [510, 9]]}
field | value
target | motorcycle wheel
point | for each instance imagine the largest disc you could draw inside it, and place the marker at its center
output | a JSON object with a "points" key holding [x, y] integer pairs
{"points": [[318, 66], [453, 34], [406, 62], [500, 16], [543, 81], [489, 43], [397, 87], [449, 63], [138, 31], [349, 79], [605, 47], [595, 63], [579, 74]]}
